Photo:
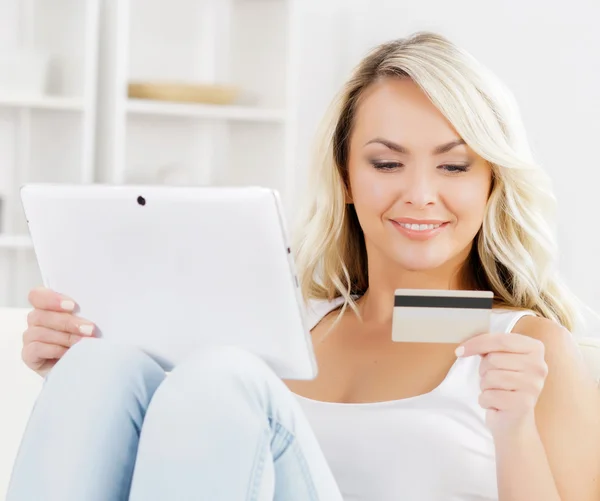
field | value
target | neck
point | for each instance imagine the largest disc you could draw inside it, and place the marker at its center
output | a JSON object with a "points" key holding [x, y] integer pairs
{"points": [[377, 304]]}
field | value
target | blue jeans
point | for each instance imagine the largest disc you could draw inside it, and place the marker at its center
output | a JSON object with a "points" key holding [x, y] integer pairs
{"points": [[110, 425]]}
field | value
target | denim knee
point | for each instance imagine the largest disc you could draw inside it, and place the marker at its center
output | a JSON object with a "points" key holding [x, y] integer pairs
{"points": [[107, 371], [220, 374], [222, 366]]}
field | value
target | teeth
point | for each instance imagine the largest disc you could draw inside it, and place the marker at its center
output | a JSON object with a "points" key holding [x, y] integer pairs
{"points": [[419, 227]]}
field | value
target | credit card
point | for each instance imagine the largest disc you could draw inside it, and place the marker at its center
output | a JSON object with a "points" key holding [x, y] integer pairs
{"points": [[440, 316]]}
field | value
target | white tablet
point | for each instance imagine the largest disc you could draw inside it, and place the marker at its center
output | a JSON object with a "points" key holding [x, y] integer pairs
{"points": [[173, 270]]}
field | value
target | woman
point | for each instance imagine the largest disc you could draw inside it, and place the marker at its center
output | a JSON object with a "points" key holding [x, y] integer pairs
{"points": [[425, 180]]}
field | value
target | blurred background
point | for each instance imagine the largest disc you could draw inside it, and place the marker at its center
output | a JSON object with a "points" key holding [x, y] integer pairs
{"points": [[231, 91]]}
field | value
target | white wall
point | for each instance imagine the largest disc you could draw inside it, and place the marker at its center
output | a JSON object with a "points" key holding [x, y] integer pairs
{"points": [[547, 52]]}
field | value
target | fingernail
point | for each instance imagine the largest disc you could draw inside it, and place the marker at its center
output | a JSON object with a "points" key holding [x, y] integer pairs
{"points": [[460, 351], [86, 329], [67, 304]]}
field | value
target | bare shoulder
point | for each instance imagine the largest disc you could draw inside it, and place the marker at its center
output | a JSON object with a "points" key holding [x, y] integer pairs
{"points": [[327, 324], [567, 368], [557, 340]]}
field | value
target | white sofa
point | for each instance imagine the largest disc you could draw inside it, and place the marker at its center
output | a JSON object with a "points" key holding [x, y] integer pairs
{"points": [[19, 386], [18, 389]]}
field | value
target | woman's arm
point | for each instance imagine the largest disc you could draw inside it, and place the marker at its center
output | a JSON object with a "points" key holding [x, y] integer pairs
{"points": [[558, 457], [543, 408], [523, 469]]}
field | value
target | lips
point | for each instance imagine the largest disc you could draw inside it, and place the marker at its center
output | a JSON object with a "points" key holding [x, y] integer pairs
{"points": [[419, 229]]}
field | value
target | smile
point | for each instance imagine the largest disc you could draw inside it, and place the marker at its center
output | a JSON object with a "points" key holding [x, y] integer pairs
{"points": [[419, 231], [420, 227]]}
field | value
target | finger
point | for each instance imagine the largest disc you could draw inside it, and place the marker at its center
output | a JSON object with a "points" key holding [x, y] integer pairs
{"points": [[494, 399], [65, 322], [502, 342], [504, 361], [511, 381], [502, 400], [36, 354], [43, 369], [49, 336], [47, 299]]}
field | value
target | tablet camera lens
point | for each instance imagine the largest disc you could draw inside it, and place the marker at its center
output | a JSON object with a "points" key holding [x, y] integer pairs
{"points": [[141, 200]]}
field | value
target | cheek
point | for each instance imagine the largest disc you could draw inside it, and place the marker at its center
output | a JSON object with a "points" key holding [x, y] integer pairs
{"points": [[468, 201], [370, 193]]}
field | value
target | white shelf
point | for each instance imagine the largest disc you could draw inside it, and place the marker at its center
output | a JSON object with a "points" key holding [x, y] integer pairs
{"points": [[15, 242], [241, 113], [43, 102], [48, 123]]}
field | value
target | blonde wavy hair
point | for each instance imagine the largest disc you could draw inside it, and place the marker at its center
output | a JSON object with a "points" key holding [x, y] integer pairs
{"points": [[514, 253]]}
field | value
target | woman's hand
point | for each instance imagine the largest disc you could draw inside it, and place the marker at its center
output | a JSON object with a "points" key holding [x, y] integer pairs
{"points": [[52, 329], [513, 372]]}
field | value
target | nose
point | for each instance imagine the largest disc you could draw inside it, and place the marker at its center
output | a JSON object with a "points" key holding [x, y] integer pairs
{"points": [[419, 188]]}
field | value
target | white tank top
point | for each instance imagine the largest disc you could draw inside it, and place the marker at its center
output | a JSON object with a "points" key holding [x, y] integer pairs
{"points": [[431, 447]]}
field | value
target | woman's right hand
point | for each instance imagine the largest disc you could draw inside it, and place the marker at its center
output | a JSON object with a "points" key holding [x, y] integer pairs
{"points": [[52, 329]]}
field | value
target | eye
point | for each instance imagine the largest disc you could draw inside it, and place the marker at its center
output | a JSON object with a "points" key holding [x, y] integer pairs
{"points": [[455, 169], [386, 166]]}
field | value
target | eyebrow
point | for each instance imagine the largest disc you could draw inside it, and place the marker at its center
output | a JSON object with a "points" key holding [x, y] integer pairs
{"points": [[438, 150]]}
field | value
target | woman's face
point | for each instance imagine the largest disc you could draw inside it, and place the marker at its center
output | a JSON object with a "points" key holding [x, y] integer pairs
{"points": [[419, 192]]}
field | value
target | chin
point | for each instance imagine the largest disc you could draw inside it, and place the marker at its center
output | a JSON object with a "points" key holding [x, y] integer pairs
{"points": [[420, 263], [417, 267]]}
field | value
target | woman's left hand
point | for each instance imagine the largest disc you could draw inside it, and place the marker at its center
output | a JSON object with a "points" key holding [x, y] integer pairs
{"points": [[513, 372]]}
